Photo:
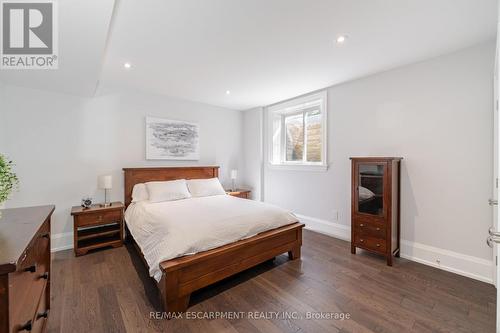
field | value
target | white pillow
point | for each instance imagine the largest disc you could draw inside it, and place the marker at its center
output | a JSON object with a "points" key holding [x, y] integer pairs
{"points": [[205, 187], [140, 193], [365, 194], [167, 190]]}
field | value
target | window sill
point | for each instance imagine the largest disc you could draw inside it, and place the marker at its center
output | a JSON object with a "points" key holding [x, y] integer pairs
{"points": [[298, 167]]}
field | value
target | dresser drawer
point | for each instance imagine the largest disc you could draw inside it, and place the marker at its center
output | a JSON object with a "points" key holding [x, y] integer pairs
{"points": [[98, 218], [25, 289], [42, 313], [364, 228], [35, 319], [27, 284], [37, 252], [37, 255], [370, 243], [26, 280]]}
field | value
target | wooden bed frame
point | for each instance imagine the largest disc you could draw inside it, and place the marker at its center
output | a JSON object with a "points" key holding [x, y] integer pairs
{"points": [[181, 276]]}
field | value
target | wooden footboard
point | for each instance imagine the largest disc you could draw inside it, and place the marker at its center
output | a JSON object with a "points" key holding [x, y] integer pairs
{"points": [[182, 276]]}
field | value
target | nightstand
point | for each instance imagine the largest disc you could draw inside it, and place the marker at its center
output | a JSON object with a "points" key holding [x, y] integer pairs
{"points": [[245, 194], [97, 227]]}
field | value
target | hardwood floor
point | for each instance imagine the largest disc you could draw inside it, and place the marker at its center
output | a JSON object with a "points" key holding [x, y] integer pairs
{"points": [[110, 291]]}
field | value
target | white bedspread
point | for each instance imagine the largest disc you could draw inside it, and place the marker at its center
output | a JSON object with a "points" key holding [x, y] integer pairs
{"points": [[171, 229]]}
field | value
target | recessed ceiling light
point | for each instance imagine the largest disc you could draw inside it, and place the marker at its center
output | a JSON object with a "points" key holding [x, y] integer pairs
{"points": [[127, 65], [341, 39], [228, 92]]}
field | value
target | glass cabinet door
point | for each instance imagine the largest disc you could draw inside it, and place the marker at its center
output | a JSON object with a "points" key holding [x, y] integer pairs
{"points": [[370, 178]]}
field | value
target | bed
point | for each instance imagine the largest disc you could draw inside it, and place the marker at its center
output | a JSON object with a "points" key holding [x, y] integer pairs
{"points": [[178, 277]]}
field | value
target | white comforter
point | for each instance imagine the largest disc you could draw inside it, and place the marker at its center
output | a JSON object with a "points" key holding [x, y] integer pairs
{"points": [[171, 229]]}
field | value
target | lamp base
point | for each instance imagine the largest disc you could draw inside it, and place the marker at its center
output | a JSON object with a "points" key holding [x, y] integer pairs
{"points": [[106, 203]]}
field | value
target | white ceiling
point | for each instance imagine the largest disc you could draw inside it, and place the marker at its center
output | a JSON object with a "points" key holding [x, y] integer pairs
{"points": [[263, 51], [83, 31]]}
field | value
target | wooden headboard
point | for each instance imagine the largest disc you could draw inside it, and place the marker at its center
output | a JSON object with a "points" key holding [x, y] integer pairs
{"points": [[143, 175]]}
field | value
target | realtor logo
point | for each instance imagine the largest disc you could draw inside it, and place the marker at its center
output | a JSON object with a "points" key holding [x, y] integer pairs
{"points": [[29, 34]]}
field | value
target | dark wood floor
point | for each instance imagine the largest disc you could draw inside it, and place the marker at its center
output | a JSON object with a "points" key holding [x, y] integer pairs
{"points": [[110, 291]]}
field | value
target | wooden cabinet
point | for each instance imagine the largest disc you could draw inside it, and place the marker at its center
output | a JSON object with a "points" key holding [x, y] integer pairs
{"points": [[25, 269], [97, 227], [375, 205]]}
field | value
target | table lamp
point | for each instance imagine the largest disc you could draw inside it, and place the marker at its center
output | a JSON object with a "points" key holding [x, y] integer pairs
{"points": [[105, 183], [234, 175]]}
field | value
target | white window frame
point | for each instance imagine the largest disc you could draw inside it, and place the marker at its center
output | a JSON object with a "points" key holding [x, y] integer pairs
{"points": [[289, 108]]}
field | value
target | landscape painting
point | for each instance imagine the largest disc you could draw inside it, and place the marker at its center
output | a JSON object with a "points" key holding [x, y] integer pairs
{"points": [[171, 139]]}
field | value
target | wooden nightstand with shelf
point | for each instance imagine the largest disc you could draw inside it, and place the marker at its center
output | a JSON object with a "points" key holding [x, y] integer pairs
{"points": [[240, 193], [97, 227]]}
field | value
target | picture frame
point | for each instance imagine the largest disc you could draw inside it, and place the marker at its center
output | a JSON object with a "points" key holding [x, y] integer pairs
{"points": [[168, 139]]}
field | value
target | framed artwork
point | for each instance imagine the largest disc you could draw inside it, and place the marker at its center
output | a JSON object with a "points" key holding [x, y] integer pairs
{"points": [[171, 139]]}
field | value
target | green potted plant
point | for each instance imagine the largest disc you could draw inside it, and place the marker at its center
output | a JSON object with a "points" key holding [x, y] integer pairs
{"points": [[8, 179]]}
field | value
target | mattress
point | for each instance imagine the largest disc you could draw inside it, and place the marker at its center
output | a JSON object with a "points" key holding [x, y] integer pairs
{"points": [[172, 229]]}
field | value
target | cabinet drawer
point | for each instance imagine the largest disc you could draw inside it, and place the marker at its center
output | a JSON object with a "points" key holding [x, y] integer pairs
{"points": [[364, 228], [98, 218], [370, 243]]}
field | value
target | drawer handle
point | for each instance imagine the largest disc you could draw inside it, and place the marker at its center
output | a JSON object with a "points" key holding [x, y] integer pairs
{"points": [[44, 276], [44, 314], [361, 225], [378, 229], [361, 240], [100, 218], [26, 327], [378, 245], [31, 269], [45, 235]]}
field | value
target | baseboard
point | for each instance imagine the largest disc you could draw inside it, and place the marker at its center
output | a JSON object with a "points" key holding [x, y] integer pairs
{"points": [[333, 229], [455, 262], [62, 241], [462, 264]]}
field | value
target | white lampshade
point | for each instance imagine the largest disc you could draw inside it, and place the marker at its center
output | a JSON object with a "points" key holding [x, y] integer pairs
{"points": [[105, 182], [234, 174]]}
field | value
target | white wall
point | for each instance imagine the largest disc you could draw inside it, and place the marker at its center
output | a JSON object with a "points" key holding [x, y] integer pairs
{"points": [[61, 143], [2, 115], [438, 116], [252, 152]]}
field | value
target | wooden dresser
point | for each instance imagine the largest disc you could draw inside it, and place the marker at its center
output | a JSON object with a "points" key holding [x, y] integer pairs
{"points": [[375, 205], [25, 269]]}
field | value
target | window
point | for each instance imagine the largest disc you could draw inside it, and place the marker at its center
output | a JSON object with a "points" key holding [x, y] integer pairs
{"points": [[297, 133]]}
